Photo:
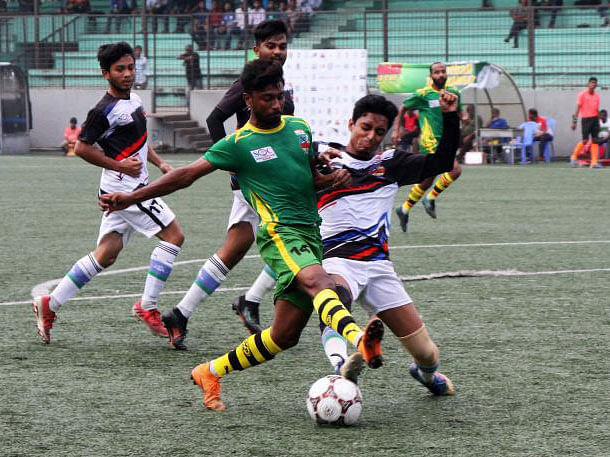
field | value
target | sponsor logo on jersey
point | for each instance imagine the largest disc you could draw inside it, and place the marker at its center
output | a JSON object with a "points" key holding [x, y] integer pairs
{"points": [[434, 103], [303, 140], [263, 154]]}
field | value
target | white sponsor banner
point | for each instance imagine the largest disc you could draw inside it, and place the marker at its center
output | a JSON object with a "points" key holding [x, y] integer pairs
{"points": [[325, 84]]}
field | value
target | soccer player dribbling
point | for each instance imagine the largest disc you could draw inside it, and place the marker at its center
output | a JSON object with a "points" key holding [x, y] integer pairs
{"points": [[272, 157], [118, 125], [271, 42], [426, 101]]}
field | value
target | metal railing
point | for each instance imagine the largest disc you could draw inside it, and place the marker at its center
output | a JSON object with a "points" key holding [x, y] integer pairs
{"points": [[60, 51]]}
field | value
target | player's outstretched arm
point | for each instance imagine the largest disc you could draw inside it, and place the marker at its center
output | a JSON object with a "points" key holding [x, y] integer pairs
{"points": [[176, 179], [130, 166]]}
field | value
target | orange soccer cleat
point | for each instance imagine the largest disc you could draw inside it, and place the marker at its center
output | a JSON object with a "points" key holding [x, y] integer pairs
{"points": [[370, 343], [210, 385]]}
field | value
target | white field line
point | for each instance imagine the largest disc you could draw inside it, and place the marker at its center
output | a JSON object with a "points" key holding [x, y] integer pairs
{"points": [[449, 274]]}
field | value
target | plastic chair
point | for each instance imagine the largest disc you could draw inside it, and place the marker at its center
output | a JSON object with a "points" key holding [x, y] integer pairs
{"points": [[549, 147], [526, 143]]}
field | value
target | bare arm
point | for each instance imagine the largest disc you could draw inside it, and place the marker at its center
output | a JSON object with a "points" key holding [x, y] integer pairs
{"points": [[131, 166], [397, 126], [176, 179], [157, 161]]}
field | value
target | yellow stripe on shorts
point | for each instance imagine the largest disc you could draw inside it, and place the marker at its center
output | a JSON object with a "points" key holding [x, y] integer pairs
{"points": [[281, 247]]}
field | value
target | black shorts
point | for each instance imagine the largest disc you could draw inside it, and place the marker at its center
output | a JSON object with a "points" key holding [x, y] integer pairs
{"points": [[590, 127]]}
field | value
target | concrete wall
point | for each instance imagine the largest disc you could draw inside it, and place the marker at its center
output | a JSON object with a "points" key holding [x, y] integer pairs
{"points": [[53, 108]]}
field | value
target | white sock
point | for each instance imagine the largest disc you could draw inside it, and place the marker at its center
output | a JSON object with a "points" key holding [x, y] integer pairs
{"points": [[212, 274], [335, 346], [161, 264], [79, 275], [264, 283]]}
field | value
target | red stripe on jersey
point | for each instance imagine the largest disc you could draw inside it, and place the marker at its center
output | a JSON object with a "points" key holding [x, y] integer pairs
{"points": [[364, 253], [134, 147], [325, 198]]}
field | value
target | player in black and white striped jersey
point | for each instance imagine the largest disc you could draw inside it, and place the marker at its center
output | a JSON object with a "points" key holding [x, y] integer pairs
{"points": [[118, 125]]}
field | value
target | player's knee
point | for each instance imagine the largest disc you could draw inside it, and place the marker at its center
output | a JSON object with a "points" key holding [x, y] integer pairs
{"points": [[107, 260], [287, 340]]}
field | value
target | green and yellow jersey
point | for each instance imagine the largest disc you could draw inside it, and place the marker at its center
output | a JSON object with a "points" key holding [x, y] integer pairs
{"points": [[426, 101], [273, 170]]}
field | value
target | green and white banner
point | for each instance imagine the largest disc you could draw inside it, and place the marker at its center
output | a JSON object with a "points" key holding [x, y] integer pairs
{"points": [[407, 78]]}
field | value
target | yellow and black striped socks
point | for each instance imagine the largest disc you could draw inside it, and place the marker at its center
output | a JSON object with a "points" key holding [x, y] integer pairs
{"points": [[415, 195], [254, 350], [440, 185], [336, 316]]}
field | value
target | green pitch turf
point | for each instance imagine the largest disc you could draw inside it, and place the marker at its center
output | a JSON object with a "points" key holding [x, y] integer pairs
{"points": [[528, 354]]}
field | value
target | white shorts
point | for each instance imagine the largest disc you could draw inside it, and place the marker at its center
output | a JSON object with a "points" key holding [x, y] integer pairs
{"points": [[375, 284], [241, 211], [147, 218]]}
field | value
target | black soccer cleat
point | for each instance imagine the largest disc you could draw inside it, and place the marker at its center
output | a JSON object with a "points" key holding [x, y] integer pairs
{"points": [[175, 323], [403, 218], [430, 207], [248, 313]]}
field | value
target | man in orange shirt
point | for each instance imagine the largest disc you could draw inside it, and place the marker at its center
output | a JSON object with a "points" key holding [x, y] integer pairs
{"points": [[407, 130], [543, 133], [587, 106], [70, 136]]}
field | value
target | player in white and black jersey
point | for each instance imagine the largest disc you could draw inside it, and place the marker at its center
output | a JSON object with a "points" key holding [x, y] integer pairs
{"points": [[117, 124], [356, 225], [271, 43]]}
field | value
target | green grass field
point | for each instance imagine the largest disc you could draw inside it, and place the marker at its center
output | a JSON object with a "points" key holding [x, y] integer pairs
{"points": [[528, 354]]}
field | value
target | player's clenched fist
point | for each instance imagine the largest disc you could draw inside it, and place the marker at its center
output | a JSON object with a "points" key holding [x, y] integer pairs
{"points": [[114, 202], [448, 101]]}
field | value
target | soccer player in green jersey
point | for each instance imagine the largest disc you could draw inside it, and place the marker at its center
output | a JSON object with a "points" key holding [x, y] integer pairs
{"points": [[272, 156], [426, 101]]}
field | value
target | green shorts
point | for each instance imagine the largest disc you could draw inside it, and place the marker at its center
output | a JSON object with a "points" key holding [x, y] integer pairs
{"points": [[287, 249]]}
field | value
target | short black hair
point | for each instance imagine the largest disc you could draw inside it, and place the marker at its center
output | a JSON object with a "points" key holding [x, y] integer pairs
{"points": [[436, 63], [261, 73], [533, 112], [267, 29], [376, 104], [592, 78], [108, 54], [603, 111], [73, 120], [137, 46]]}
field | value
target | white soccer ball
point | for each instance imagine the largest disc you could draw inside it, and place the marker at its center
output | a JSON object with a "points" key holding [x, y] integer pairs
{"points": [[334, 400]]}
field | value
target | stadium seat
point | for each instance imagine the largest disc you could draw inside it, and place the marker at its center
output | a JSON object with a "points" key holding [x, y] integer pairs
{"points": [[526, 143]]}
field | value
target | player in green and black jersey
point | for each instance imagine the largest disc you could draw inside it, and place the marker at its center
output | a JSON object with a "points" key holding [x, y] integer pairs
{"points": [[426, 101], [272, 157]]}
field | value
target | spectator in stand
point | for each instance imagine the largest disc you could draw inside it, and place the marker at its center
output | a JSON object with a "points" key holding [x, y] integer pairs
{"points": [[602, 9], [543, 133], [118, 8], [272, 11], [70, 136], [293, 17], [214, 23], [243, 21], [282, 14], [407, 131], [315, 4], [182, 8], [199, 31], [256, 14], [519, 16], [193, 70], [141, 68], [159, 8], [228, 26], [77, 7], [306, 15], [554, 11], [587, 107]]}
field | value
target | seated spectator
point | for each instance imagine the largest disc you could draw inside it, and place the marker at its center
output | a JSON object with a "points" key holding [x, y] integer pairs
{"points": [[215, 21], [306, 16], [243, 23], [554, 11], [496, 122], [293, 17], [229, 25], [256, 14], [159, 8], [519, 16], [602, 9], [141, 68], [77, 7], [543, 133], [118, 8], [272, 11], [182, 8], [407, 131], [282, 14], [199, 30], [70, 136]]}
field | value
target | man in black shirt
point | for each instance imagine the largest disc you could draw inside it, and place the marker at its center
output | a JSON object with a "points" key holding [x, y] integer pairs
{"points": [[193, 70], [271, 42]]}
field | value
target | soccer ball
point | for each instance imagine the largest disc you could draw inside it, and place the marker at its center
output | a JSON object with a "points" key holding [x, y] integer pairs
{"points": [[334, 400]]}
